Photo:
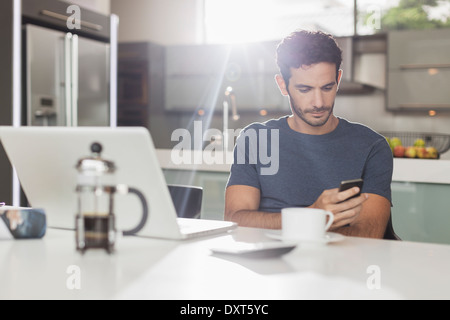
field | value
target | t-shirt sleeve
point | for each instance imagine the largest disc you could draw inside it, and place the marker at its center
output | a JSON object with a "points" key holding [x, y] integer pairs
{"points": [[378, 171], [244, 170]]}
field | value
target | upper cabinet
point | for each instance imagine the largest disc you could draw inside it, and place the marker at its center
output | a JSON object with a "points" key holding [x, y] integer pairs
{"points": [[419, 70], [197, 77], [415, 49]]}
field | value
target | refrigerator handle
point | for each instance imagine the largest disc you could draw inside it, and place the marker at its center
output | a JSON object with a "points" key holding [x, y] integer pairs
{"points": [[68, 78], [74, 81]]}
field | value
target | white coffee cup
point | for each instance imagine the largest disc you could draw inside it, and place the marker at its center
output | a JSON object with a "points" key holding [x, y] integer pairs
{"points": [[305, 224]]}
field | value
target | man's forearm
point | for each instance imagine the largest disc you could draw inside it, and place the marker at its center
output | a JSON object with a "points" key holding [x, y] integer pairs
{"points": [[358, 230], [265, 220], [255, 219]]}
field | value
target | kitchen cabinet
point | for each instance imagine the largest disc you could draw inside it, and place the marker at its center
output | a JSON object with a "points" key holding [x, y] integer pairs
{"points": [[421, 211], [198, 76], [416, 48], [419, 67], [133, 93], [140, 82], [419, 89], [195, 60]]}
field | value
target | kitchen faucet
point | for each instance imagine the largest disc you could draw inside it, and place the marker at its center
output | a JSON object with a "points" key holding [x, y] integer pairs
{"points": [[230, 99]]}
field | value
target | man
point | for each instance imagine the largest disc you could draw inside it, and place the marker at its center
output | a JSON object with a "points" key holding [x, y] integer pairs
{"points": [[316, 150]]}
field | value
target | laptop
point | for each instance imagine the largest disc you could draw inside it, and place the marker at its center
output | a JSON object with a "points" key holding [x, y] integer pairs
{"points": [[45, 159]]}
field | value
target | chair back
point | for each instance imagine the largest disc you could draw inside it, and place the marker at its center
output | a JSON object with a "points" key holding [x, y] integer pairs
{"points": [[187, 200], [390, 233]]}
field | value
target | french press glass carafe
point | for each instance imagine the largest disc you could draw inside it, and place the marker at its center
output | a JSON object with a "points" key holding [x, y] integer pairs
{"points": [[96, 188]]}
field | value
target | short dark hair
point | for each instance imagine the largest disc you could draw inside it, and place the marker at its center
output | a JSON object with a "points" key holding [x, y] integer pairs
{"points": [[307, 48]]}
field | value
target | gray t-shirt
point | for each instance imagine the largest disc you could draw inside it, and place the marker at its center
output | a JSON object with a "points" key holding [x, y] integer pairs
{"points": [[292, 169]]}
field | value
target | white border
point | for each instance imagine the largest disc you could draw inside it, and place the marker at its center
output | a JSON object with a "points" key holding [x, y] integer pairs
{"points": [[16, 85], [114, 26]]}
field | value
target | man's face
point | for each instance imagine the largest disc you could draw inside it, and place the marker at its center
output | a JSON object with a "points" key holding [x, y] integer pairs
{"points": [[312, 92]]}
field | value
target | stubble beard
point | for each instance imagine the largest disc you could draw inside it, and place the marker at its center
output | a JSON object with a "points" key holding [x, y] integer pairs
{"points": [[318, 122]]}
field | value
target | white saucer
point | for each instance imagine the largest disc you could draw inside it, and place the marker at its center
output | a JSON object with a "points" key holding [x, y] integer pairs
{"points": [[330, 237]]}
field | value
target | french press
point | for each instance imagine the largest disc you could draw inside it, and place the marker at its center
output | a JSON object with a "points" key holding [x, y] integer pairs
{"points": [[96, 188]]}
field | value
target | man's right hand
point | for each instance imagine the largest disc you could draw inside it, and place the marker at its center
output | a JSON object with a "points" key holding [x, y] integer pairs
{"points": [[345, 210]]}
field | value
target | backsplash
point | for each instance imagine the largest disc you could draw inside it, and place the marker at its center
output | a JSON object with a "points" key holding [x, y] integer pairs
{"points": [[370, 110]]}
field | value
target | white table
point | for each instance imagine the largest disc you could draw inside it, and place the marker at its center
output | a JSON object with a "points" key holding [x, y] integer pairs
{"points": [[159, 269]]}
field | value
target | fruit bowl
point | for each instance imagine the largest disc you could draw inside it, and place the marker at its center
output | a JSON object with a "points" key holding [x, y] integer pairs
{"points": [[441, 142]]}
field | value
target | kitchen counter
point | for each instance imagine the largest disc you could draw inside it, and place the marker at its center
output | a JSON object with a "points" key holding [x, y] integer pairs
{"points": [[407, 170], [199, 160], [422, 171]]}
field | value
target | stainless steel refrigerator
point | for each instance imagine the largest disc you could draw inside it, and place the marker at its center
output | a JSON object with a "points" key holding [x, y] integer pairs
{"points": [[55, 70], [67, 79]]}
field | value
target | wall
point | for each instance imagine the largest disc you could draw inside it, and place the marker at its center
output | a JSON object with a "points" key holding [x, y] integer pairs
{"points": [[165, 22], [100, 6], [370, 110]]}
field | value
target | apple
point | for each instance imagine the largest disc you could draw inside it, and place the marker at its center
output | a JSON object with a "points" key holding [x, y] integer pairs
{"points": [[399, 151], [419, 143], [421, 152], [396, 142], [432, 153], [389, 143], [410, 152]]}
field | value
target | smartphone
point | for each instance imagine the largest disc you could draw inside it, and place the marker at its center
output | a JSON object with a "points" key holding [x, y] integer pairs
{"points": [[348, 184], [255, 250]]}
